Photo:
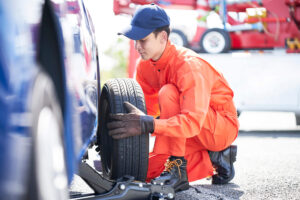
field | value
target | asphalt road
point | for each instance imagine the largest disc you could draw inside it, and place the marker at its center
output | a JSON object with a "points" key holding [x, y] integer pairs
{"points": [[267, 166]]}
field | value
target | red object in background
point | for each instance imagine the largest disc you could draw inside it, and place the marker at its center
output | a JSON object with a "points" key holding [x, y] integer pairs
{"points": [[281, 23], [73, 7], [268, 20], [122, 7], [241, 6], [294, 7], [200, 30], [292, 2]]}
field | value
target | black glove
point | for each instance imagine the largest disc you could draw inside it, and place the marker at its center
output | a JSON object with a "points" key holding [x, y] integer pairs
{"points": [[131, 124]]}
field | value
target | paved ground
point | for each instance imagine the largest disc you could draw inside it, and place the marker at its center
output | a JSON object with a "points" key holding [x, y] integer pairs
{"points": [[267, 164], [267, 167]]}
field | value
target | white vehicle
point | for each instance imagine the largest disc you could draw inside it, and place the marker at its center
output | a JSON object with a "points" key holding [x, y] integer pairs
{"points": [[262, 81]]}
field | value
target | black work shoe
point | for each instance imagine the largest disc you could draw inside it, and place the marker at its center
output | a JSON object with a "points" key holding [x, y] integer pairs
{"points": [[175, 174], [223, 162]]}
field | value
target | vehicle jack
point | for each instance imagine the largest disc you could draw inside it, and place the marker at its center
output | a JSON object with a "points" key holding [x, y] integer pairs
{"points": [[125, 188]]}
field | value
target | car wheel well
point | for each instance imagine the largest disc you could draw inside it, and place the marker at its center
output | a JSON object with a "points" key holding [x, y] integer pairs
{"points": [[50, 52]]}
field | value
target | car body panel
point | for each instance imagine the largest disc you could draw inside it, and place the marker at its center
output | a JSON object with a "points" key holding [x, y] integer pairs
{"points": [[18, 69]]}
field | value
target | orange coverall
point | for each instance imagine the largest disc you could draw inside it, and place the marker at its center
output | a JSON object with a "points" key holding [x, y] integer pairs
{"points": [[195, 106]]}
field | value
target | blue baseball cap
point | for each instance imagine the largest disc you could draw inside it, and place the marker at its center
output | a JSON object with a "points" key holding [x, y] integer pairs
{"points": [[145, 20]]}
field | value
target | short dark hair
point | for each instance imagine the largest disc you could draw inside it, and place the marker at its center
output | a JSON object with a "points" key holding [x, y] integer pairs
{"points": [[160, 29]]}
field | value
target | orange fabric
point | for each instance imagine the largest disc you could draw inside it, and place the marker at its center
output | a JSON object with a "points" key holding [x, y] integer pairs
{"points": [[193, 149], [196, 168], [196, 110]]}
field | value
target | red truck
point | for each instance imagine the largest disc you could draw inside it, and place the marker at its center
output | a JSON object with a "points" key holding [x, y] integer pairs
{"points": [[245, 24]]}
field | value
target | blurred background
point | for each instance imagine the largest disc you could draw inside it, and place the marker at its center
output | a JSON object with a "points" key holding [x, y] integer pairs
{"points": [[113, 49], [254, 43], [49, 84]]}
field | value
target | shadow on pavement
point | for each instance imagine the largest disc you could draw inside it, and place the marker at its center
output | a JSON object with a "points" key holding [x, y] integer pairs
{"points": [[211, 192]]}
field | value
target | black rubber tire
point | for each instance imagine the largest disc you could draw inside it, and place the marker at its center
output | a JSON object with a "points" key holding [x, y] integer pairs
{"points": [[297, 116], [127, 156], [44, 96], [225, 36], [238, 112], [184, 42]]}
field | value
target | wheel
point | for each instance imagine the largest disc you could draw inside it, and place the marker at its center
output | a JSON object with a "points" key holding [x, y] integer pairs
{"points": [[178, 37], [238, 113], [127, 156], [297, 119], [48, 159], [215, 40]]}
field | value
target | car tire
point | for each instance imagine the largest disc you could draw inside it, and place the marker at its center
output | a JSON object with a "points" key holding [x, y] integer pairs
{"points": [[215, 40], [48, 169], [128, 156], [238, 112], [179, 38], [297, 119]]}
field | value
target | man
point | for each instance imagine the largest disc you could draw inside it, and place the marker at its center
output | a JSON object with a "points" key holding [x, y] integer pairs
{"points": [[197, 118]]}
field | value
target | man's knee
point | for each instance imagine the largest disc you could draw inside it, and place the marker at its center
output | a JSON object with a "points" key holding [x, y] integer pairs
{"points": [[167, 94], [219, 140]]}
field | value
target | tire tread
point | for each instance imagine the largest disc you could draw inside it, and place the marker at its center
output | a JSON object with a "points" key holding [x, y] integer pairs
{"points": [[130, 154]]}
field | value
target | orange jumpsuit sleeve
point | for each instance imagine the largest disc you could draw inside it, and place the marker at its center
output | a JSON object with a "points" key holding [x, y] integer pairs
{"points": [[194, 81], [151, 95]]}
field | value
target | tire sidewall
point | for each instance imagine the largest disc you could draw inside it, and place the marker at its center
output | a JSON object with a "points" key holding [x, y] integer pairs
{"points": [[182, 37], [128, 156], [43, 96], [223, 33]]}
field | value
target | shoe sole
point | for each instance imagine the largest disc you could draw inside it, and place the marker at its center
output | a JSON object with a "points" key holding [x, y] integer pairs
{"points": [[182, 187]]}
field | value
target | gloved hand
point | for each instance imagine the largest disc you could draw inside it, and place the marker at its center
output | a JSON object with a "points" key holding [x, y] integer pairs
{"points": [[130, 124]]}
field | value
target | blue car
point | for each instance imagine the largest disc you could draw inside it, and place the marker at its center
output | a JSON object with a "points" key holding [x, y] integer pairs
{"points": [[52, 108]]}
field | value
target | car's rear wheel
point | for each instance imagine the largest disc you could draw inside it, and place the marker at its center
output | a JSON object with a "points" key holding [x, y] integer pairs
{"points": [[127, 156], [49, 177]]}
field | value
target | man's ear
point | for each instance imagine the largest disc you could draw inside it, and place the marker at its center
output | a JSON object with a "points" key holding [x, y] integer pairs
{"points": [[163, 36]]}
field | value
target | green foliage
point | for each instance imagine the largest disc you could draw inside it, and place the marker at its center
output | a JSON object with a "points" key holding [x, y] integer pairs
{"points": [[118, 53]]}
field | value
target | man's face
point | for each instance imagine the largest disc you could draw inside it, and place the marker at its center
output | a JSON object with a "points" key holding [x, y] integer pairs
{"points": [[151, 47]]}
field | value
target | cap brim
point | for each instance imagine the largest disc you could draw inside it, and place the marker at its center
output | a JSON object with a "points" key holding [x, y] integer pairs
{"points": [[136, 33]]}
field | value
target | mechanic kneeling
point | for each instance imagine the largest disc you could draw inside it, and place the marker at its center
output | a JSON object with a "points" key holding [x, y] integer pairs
{"points": [[197, 118]]}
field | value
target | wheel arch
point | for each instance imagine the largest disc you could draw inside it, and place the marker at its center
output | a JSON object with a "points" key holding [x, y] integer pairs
{"points": [[50, 51], [50, 56]]}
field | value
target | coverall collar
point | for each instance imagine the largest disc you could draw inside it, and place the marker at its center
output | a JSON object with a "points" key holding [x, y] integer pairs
{"points": [[161, 63]]}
